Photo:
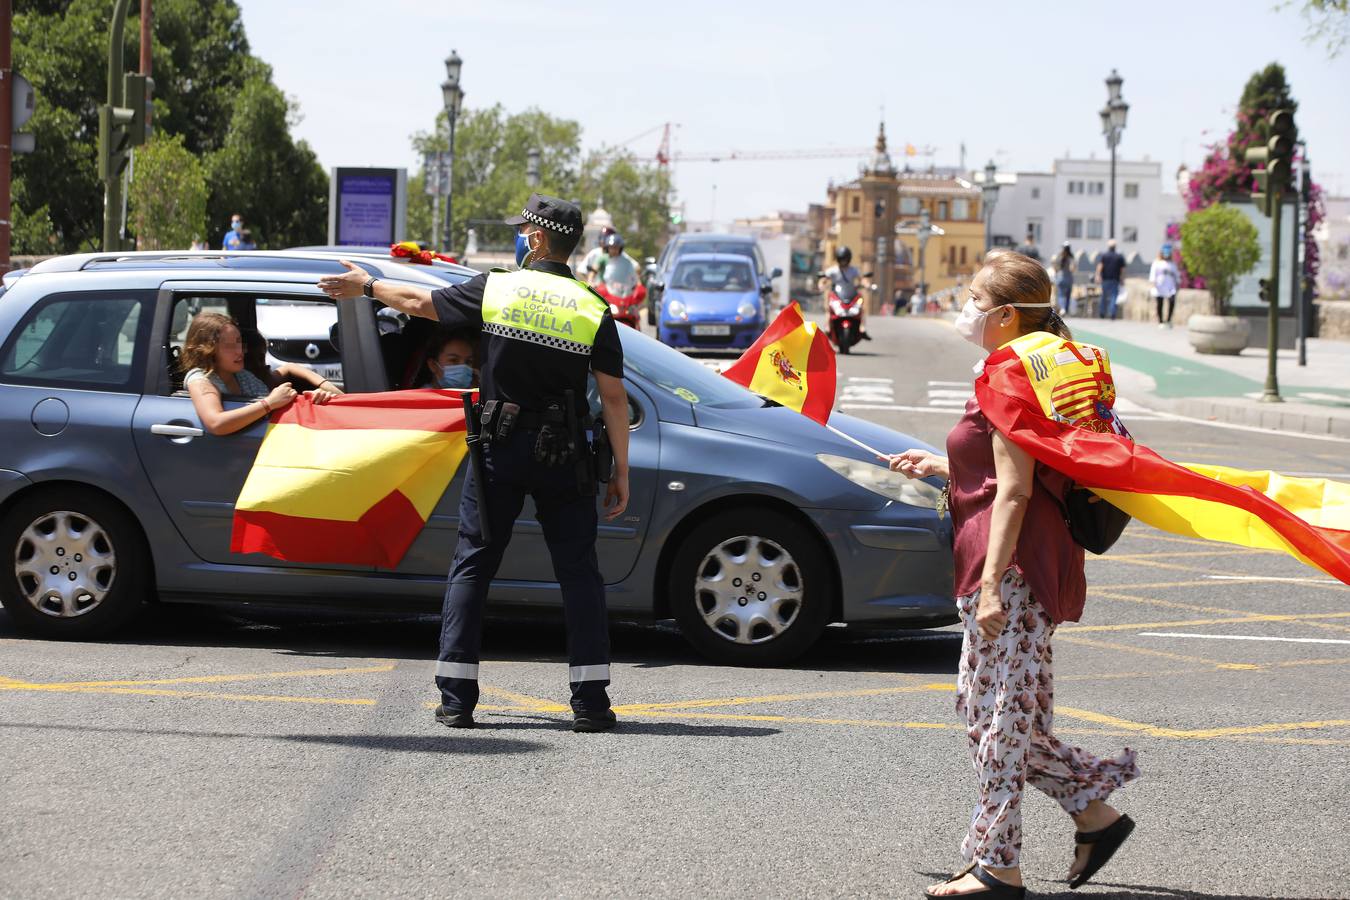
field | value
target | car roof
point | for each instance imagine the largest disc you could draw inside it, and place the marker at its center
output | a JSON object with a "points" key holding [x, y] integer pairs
{"points": [[714, 236], [713, 257], [377, 252], [251, 263]]}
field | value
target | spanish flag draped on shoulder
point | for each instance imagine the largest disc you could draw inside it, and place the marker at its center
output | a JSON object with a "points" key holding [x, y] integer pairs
{"points": [[1054, 399], [350, 481], [792, 364]]}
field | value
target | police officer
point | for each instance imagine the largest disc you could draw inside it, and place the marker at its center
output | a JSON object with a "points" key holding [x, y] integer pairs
{"points": [[542, 332]]}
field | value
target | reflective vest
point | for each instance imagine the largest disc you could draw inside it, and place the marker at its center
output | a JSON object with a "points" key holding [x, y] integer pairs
{"points": [[544, 309]]}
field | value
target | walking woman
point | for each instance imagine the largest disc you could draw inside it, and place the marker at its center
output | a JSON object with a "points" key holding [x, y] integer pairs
{"points": [[1164, 278], [1064, 266], [1018, 574]]}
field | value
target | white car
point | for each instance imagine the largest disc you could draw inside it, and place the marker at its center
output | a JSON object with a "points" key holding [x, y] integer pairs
{"points": [[301, 333]]}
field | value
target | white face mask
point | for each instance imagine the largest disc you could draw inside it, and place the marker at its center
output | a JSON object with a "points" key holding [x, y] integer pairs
{"points": [[970, 324]]}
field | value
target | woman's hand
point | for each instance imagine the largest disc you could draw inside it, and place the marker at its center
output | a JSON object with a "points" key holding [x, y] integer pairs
{"points": [[325, 391], [916, 464], [281, 396], [989, 614]]}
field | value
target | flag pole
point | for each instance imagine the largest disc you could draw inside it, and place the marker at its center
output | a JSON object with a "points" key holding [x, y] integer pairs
{"points": [[855, 441]]}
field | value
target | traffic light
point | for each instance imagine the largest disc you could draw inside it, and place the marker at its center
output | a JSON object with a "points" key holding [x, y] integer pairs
{"points": [[1264, 290], [122, 127], [1271, 164]]}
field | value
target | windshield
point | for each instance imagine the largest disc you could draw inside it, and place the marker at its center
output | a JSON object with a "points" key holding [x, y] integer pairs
{"points": [[686, 378], [712, 275]]}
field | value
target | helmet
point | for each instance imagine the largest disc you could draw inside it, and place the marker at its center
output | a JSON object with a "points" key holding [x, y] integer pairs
{"points": [[613, 239], [843, 255]]}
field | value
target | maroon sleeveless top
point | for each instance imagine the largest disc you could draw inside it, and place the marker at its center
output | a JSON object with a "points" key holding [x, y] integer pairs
{"points": [[1048, 558]]}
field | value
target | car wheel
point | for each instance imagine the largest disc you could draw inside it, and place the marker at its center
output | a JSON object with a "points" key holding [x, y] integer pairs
{"points": [[78, 565], [750, 588]]}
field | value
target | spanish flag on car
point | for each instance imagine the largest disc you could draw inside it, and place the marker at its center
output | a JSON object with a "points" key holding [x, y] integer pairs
{"points": [[792, 363], [350, 481], [1054, 399]]}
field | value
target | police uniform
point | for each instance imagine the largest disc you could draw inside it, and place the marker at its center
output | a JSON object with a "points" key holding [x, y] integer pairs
{"points": [[542, 333]]}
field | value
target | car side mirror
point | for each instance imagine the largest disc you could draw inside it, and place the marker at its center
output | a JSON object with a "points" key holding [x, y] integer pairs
{"points": [[766, 288], [775, 273]]}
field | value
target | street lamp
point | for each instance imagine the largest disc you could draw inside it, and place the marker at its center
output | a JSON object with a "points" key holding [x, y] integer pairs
{"points": [[924, 231], [453, 96], [990, 193], [1113, 116], [532, 167]]}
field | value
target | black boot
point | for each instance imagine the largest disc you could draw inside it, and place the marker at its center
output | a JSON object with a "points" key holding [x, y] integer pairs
{"points": [[453, 718], [588, 722]]}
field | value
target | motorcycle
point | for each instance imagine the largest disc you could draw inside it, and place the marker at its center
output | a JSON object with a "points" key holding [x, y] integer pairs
{"points": [[625, 301], [845, 304]]}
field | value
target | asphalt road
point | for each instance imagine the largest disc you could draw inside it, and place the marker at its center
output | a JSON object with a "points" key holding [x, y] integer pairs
{"points": [[203, 755]]}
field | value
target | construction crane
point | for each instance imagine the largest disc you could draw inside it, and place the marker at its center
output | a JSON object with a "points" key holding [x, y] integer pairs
{"points": [[665, 156]]}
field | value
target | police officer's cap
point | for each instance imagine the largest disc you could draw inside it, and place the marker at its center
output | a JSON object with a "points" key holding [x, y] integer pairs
{"points": [[551, 213]]}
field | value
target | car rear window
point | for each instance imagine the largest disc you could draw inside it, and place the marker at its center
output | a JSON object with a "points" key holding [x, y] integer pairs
{"points": [[79, 340]]}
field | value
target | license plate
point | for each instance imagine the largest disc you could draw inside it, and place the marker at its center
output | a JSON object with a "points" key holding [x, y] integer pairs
{"points": [[331, 372], [710, 330]]}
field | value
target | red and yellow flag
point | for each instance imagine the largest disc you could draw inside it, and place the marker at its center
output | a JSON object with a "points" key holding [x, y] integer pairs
{"points": [[1054, 399], [350, 481], [792, 363]]}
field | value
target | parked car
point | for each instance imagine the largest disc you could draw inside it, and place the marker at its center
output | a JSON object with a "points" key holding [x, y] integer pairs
{"points": [[713, 301], [750, 525], [700, 242]]}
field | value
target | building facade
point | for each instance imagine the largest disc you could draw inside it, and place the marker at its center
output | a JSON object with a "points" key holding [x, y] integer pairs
{"points": [[1071, 203]]}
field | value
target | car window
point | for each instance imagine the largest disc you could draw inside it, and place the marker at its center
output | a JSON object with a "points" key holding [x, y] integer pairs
{"points": [[688, 379], [288, 330], [735, 248], [712, 275], [77, 340]]}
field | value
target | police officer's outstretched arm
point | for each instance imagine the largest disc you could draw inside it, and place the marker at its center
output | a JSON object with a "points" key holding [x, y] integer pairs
{"points": [[614, 409], [413, 300]]}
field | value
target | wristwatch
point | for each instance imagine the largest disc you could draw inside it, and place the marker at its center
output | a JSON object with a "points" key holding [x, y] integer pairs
{"points": [[369, 287]]}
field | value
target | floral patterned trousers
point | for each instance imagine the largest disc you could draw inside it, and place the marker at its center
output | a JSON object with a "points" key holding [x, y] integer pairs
{"points": [[1005, 692]]}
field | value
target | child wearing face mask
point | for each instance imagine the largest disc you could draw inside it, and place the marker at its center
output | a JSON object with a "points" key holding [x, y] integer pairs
{"points": [[450, 362]]}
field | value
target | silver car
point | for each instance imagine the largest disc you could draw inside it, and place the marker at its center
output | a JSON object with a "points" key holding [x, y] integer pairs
{"points": [[750, 525]]}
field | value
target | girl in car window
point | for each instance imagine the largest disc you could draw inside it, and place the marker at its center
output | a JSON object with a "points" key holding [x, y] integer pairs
{"points": [[449, 361], [213, 358]]}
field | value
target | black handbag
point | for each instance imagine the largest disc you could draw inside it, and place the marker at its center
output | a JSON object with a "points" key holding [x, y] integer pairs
{"points": [[1094, 524]]}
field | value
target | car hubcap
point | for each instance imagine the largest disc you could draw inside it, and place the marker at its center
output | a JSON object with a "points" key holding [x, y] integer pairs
{"points": [[64, 564], [748, 590]]}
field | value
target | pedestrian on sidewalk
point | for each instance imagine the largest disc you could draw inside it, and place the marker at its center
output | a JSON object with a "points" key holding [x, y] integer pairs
{"points": [[1064, 269], [1019, 573], [1164, 278], [1110, 266]]}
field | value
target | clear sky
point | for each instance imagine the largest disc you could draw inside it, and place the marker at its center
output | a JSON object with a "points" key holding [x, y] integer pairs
{"points": [[1019, 82]]}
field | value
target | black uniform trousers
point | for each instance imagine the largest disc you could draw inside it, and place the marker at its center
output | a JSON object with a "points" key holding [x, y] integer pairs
{"points": [[569, 521]]}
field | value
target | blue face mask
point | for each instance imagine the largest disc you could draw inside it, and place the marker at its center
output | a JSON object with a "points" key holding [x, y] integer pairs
{"points": [[455, 377], [236, 225], [522, 249]]}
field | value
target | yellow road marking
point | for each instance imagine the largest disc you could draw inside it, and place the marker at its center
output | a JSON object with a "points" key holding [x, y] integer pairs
{"points": [[1162, 654], [191, 695], [786, 698], [524, 700], [1196, 733], [1242, 620], [245, 676]]}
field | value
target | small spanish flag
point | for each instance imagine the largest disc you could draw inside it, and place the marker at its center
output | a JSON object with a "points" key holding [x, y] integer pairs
{"points": [[1054, 399], [792, 363], [350, 481]]}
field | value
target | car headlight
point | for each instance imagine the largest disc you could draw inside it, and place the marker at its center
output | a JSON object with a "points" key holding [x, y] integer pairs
{"points": [[676, 309], [746, 310], [891, 485]]}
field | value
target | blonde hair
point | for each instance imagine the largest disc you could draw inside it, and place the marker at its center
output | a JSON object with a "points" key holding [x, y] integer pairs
{"points": [[1014, 278], [203, 337]]}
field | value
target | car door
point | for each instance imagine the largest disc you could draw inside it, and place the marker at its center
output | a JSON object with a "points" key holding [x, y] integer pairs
{"points": [[528, 560], [196, 475]]}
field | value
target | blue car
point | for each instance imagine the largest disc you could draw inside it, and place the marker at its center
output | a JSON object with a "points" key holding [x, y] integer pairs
{"points": [[751, 526], [713, 301]]}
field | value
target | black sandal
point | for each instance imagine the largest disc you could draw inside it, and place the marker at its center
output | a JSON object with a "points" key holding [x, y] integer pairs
{"points": [[1104, 845], [998, 890]]}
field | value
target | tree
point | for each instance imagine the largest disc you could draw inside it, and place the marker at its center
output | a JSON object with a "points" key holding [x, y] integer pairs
{"points": [[168, 196], [1328, 22], [635, 194], [201, 63], [260, 172], [1219, 244]]}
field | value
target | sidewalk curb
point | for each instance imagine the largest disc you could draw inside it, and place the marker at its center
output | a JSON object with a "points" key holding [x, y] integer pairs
{"points": [[1289, 417]]}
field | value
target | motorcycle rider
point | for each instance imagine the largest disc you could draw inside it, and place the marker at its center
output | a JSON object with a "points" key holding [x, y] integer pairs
{"points": [[595, 258], [619, 273], [843, 271]]}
